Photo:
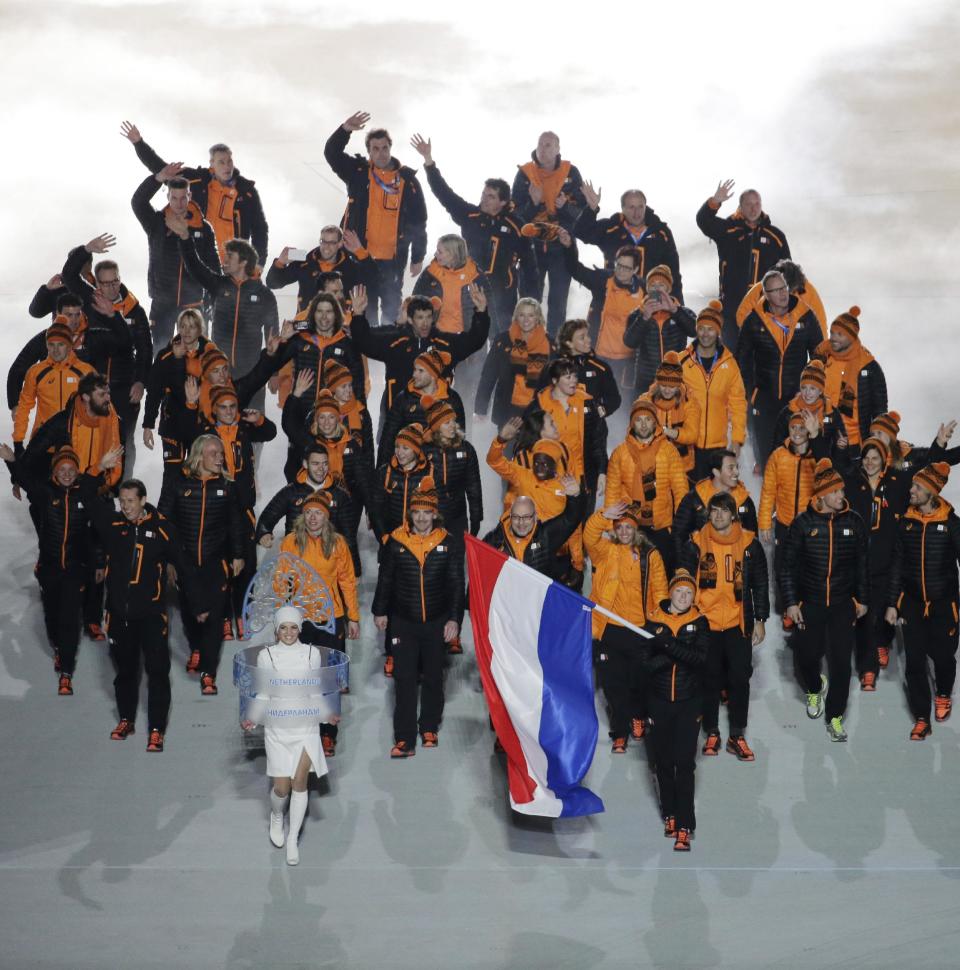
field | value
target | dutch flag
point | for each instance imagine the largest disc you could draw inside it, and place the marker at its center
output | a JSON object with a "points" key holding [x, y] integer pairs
{"points": [[533, 642]]}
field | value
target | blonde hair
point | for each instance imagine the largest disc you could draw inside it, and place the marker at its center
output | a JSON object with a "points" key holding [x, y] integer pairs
{"points": [[457, 247], [328, 535], [526, 301], [191, 314], [195, 456]]}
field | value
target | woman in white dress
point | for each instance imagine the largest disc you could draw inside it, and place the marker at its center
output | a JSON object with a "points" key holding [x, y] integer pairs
{"points": [[292, 753]]}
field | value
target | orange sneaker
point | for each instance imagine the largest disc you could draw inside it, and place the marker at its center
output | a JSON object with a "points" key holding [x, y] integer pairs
{"points": [[155, 741], [193, 664], [227, 631], [95, 632], [683, 841], [329, 745], [455, 646], [787, 623], [402, 750], [123, 730], [430, 739], [921, 729], [670, 827], [388, 665], [638, 728], [208, 685], [711, 747], [738, 746], [868, 682], [619, 746], [65, 687], [883, 656], [942, 706]]}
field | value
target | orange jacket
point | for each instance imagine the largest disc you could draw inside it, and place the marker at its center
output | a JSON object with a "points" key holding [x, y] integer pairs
{"points": [[569, 423], [787, 486], [720, 396], [336, 572], [627, 581], [720, 575], [754, 297], [48, 385], [681, 412], [662, 494]]}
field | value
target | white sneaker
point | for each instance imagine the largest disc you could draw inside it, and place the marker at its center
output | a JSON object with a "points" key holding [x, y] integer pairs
{"points": [[293, 852], [276, 829]]}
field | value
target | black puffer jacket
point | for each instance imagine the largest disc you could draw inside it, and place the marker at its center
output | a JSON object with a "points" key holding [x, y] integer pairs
{"points": [[137, 556], [925, 556], [651, 341], [63, 522], [309, 352], [497, 379], [691, 514], [656, 247], [167, 376], [44, 302], [355, 271], [207, 518], [168, 282], [675, 654], [773, 374], [825, 559], [745, 253], [244, 314], [398, 347], [831, 425], [354, 172], [392, 491], [457, 476], [249, 222], [540, 551], [420, 589], [408, 409]]}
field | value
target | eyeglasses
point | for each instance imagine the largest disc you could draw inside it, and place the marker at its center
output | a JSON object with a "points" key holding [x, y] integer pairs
{"points": [[776, 289], [523, 518], [626, 267]]}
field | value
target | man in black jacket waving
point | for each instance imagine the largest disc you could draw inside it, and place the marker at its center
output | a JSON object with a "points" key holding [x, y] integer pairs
{"points": [[825, 569]]}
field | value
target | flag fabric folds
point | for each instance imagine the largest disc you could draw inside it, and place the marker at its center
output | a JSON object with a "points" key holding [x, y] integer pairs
{"points": [[534, 650]]}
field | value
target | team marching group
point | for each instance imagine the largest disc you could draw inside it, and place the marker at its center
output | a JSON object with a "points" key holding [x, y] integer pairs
{"points": [[860, 538]]}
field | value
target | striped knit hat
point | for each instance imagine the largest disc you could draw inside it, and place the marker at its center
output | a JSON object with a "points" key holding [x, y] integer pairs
{"points": [[683, 577], [438, 412], [888, 423], [643, 403], [425, 497], [222, 394], [318, 500], [933, 477], [335, 374], [670, 371], [66, 453], [59, 331], [326, 402], [412, 437], [826, 478], [878, 446], [848, 321], [662, 273], [814, 373], [212, 359], [712, 314], [435, 361]]}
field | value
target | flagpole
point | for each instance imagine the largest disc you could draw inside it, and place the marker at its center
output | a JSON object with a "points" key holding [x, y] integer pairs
{"points": [[613, 616]]}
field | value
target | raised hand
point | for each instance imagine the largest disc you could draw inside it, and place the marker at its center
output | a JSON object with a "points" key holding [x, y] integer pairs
{"points": [[191, 389], [356, 121], [591, 195], [945, 433], [536, 194], [511, 429], [178, 347], [111, 458], [103, 304], [130, 131], [169, 171], [571, 485], [287, 331], [303, 383], [176, 224], [724, 191], [351, 241], [358, 299], [614, 512], [284, 256], [251, 415], [810, 422], [478, 296], [101, 243], [55, 282], [424, 147]]}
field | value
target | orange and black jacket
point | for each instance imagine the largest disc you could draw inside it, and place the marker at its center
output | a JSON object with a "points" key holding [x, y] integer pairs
{"points": [[745, 254], [539, 549], [596, 377], [208, 519], [430, 285], [421, 578], [392, 490], [398, 347], [354, 172], [349, 459], [881, 510], [529, 211], [408, 409], [244, 314], [457, 476], [871, 394], [831, 424], [652, 339], [691, 514], [287, 504], [493, 242], [167, 377], [249, 222], [676, 652], [168, 282], [825, 559], [137, 556], [770, 365], [128, 329], [308, 351], [925, 556], [656, 245], [356, 270], [47, 387], [503, 372]]}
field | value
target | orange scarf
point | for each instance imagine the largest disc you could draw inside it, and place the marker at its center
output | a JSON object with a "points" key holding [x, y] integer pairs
{"points": [[550, 182], [617, 307], [228, 435], [644, 487], [529, 354]]}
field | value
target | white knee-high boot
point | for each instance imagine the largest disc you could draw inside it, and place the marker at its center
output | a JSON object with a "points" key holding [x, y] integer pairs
{"points": [[298, 809]]}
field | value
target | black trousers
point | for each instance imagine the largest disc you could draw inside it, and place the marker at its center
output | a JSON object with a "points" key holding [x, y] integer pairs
{"points": [[417, 647], [663, 540], [128, 415], [729, 664], [552, 268], [385, 303], [207, 637], [239, 584], [621, 677], [827, 630], [873, 630], [933, 636], [336, 641], [675, 735], [762, 415], [502, 302], [129, 639], [779, 539], [61, 594]]}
